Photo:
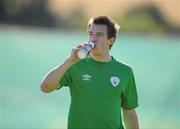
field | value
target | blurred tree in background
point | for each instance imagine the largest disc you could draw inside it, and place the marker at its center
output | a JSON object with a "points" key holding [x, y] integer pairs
{"points": [[146, 18], [26, 12]]}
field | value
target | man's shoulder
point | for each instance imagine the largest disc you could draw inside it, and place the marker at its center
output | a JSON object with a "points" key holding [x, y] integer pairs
{"points": [[122, 64]]}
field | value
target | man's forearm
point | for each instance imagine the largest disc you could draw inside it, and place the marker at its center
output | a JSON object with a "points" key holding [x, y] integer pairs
{"points": [[51, 80], [130, 119]]}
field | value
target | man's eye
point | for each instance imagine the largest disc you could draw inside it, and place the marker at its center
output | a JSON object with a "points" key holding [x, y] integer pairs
{"points": [[90, 34]]}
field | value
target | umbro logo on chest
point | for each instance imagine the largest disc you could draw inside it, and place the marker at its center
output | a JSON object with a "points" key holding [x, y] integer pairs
{"points": [[86, 77]]}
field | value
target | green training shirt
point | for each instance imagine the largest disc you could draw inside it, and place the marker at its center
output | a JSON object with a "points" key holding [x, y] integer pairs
{"points": [[98, 91]]}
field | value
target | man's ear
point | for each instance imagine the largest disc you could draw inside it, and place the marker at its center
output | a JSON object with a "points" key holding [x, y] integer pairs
{"points": [[111, 41]]}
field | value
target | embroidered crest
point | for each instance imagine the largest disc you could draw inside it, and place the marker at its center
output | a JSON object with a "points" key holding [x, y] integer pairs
{"points": [[114, 81]]}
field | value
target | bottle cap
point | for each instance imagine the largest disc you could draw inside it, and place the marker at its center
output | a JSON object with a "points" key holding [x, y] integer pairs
{"points": [[91, 43]]}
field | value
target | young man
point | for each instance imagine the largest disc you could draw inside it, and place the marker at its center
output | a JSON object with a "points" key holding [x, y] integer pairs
{"points": [[100, 86]]}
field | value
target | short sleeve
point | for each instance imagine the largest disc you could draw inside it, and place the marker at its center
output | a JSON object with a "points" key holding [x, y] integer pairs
{"points": [[65, 80], [129, 96]]}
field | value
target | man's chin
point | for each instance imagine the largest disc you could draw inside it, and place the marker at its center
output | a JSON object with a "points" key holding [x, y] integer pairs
{"points": [[94, 53]]}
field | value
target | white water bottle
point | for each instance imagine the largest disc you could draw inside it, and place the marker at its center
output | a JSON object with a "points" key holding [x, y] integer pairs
{"points": [[84, 51]]}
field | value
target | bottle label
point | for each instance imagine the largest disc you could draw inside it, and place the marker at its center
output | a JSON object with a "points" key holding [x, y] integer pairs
{"points": [[83, 52]]}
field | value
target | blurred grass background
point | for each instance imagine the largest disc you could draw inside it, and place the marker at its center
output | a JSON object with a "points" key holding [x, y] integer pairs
{"points": [[36, 36]]}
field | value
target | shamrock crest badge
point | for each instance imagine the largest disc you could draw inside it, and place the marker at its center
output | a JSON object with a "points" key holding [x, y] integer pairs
{"points": [[114, 81]]}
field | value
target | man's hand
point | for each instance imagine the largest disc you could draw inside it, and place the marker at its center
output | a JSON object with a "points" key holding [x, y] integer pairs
{"points": [[74, 53]]}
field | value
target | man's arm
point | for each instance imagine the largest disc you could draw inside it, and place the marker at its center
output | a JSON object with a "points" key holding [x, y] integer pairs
{"points": [[51, 80], [130, 119]]}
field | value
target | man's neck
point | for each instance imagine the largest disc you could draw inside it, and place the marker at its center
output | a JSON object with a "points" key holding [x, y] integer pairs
{"points": [[104, 58]]}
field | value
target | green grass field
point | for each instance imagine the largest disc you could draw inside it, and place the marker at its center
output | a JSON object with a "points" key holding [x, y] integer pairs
{"points": [[26, 56]]}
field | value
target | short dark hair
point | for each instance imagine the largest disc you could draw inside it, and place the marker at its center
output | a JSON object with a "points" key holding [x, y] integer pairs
{"points": [[112, 26]]}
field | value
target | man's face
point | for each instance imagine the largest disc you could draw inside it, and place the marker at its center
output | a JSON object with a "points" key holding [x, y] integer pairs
{"points": [[98, 35]]}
